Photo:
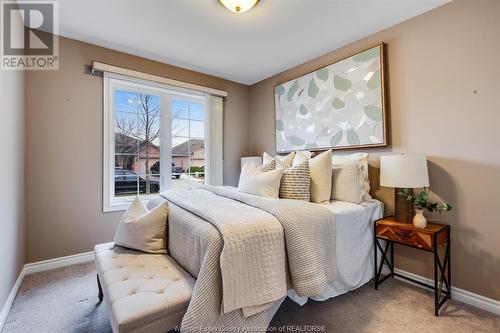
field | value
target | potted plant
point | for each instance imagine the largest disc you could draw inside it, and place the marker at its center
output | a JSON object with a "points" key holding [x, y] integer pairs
{"points": [[421, 202]]}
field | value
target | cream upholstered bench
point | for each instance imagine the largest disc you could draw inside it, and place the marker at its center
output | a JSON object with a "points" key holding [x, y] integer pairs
{"points": [[143, 292]]}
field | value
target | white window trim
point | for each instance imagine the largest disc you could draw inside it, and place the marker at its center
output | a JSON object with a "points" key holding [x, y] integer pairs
{"points": [[110, 81]]}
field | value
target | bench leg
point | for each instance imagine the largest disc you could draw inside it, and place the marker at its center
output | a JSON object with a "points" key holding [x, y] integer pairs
{"points": [[101, 295]]}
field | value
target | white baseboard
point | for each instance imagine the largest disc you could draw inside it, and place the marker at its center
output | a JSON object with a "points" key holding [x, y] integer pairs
{"points": [[46, 265], [457, 294], [10, 299], [36, 267]]}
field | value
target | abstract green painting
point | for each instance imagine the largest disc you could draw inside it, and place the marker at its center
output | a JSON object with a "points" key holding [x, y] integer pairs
{"points": [[338, 106]]}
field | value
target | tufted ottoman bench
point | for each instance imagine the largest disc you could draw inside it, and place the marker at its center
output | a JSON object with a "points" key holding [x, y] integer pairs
{"points": [[143, 292]]}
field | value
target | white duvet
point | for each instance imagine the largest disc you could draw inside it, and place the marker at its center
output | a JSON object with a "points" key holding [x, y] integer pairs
{"points": [[354, 247]]}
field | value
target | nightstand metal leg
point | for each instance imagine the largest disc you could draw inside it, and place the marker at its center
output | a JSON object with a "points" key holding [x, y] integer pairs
{"points": [[442, 275], [448, 245], [379, 268], [436, 295], [392, 260], [375, 257]]}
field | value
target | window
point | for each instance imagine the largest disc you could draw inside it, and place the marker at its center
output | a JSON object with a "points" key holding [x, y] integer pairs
{"points": [[154, 140], [188, 142]]}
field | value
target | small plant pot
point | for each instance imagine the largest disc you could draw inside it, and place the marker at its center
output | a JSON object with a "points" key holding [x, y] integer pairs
{"points": [[419, 220]]}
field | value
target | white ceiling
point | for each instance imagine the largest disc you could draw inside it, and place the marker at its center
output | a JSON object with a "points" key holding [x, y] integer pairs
{"points": [[204, 36]]}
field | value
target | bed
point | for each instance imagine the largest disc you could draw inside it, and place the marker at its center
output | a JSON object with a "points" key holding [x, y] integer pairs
{"points": [[191, 239]]}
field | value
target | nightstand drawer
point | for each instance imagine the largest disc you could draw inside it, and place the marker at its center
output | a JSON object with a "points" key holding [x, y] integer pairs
{"points": [[406, 233], [410, 237]]}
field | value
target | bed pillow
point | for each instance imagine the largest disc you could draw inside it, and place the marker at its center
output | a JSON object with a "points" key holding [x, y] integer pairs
{"points": [[321, 177], [142, 229], [259, 182], [282, 161], [267, 166], [295, 182], [348, 183], [362, 160], [301, 156]]}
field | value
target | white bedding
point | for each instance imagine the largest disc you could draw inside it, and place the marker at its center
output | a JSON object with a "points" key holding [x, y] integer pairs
{"points": [[354, 247]]}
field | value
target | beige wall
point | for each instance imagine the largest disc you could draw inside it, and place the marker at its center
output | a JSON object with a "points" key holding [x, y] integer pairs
{"points": [[444, 83], [12, 118], [64, 147]]}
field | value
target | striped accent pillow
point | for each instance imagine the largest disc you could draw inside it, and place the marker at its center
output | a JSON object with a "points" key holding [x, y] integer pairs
{"points": [[295, 182], [268, 166]]}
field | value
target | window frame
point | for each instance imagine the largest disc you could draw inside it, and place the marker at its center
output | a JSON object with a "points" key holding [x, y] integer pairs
{"points": [[112, 82]]}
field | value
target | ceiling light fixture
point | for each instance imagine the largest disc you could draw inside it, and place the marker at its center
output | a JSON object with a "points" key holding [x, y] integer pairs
{"points": [[239, 6]]}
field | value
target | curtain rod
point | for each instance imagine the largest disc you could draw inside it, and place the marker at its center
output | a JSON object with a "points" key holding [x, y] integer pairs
{"points": [[102, 67]]}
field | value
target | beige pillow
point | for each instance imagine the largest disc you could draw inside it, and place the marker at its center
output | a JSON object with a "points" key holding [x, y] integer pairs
{"points": [[320, 168], [301, 156], [348, 183], [260, 182], [358, 158], [142, 229], [285, 161], [267, 166]]}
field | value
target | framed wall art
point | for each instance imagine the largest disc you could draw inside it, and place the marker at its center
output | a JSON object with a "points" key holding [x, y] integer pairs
{"points": [[339, 106]]}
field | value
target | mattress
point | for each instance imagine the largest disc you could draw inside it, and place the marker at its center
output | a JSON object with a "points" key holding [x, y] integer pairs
{"points": [[354, 247]]}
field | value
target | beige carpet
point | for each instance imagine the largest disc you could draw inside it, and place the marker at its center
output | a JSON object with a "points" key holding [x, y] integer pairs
{"points": [[65, 300]]}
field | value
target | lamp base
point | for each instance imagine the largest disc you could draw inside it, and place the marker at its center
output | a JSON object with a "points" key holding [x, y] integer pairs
{"points": [[403, 208]]}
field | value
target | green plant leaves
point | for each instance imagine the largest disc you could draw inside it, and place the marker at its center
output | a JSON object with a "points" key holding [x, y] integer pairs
{"points": [[352, 137], [313, 89], [373, 112], [279, 90], [335, 140], [293, 89], [367, 55], [374, 81], [341, 83], [337, 103], [322, 74]]}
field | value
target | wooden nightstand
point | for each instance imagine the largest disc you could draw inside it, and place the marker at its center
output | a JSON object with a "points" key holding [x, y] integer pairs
{"points": [[430, 239]]}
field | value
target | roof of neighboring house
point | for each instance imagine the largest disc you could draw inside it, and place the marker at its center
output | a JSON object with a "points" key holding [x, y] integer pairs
{"points": [[125, 141], [187, 147]]}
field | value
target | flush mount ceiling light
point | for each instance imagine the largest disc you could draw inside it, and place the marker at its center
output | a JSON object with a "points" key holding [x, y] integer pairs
{"points": [[239, 6]]}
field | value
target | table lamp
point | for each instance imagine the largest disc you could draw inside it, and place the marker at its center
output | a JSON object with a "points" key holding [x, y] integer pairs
{"points": [[403, 172]]}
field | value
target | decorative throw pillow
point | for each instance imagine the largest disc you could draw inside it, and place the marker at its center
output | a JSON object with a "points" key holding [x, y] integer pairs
{"points": [[301, 156], [321, 177], [362, 160], [295, 182], [258, 182], [142, 229], [282, 161], [348, 183], [267, 166]]}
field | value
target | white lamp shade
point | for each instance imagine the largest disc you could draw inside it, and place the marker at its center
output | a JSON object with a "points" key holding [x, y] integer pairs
{"points": [[254, 160], [404, 171]]}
